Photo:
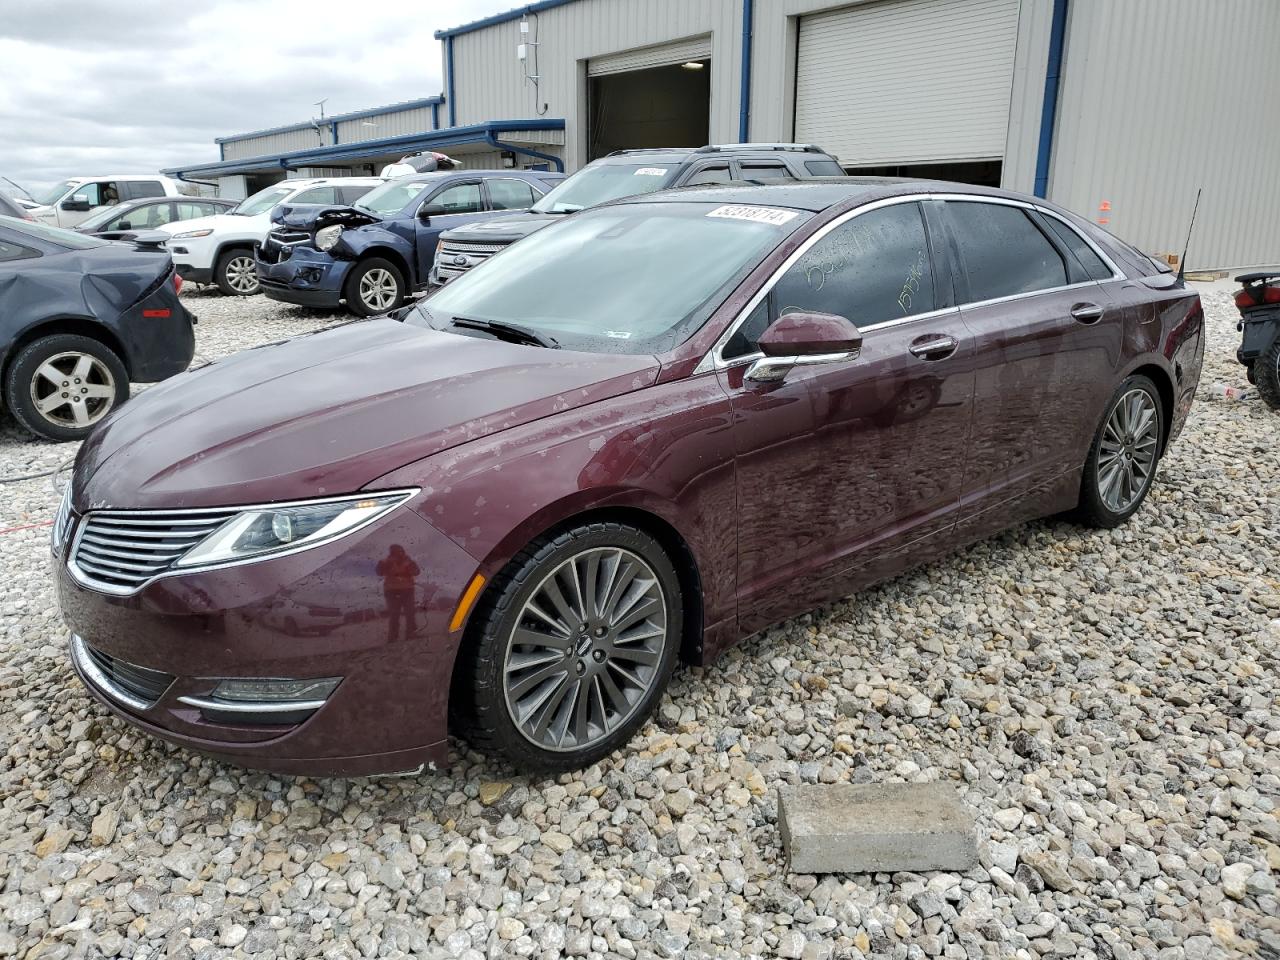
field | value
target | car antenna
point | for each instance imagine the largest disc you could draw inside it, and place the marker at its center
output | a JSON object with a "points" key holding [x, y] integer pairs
{"points": [[1182, 264]]}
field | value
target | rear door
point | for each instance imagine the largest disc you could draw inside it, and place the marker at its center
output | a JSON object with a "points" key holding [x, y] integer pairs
{"points": [[510, 194], [1047, 338]]}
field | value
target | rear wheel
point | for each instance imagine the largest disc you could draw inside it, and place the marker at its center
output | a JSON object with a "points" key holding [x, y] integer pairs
{"points": [[571, 648], [1266, 374], [1126, 450], [374, 287], [236, 274], [59, 387]]}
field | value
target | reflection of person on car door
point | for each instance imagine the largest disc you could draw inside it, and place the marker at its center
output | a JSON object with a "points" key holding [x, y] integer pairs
{"points": [[398, 573]]}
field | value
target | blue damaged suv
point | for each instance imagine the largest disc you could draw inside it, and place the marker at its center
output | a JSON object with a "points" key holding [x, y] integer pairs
{"points": [[371, 255]]}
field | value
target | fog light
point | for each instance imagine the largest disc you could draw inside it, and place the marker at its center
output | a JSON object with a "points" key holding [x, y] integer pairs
{"points": [[300, 693]]}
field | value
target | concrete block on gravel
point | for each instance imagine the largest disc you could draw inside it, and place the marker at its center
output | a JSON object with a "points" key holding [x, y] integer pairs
{"points": [[875, 828]]}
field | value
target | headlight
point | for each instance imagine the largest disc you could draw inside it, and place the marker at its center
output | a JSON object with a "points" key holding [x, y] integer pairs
{"points": [[328, 236], [61, 520], [191, 234], [259, 532]]}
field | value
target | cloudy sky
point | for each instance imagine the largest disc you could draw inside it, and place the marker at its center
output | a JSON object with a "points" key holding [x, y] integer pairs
{"points": [[89, 87]]}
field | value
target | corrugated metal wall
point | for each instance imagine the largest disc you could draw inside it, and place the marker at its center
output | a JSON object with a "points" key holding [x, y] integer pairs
{"points": [[276, 143], [490, 84], [385, 125], [1160, 97]]}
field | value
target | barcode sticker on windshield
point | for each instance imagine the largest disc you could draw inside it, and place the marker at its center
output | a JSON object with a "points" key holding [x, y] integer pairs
{"points": [[737, 211], [650, 172]]}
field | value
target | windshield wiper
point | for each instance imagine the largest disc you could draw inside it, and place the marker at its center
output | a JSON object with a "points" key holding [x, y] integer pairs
{"points": [[513, 332]]}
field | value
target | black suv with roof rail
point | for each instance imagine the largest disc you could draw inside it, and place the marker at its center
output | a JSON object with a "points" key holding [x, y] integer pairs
{"points": [[626, 173]]}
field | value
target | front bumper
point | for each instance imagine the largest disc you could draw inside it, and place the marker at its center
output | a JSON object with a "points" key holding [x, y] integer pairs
{"points": [[192, 274], [179, 635], [302, 275]]}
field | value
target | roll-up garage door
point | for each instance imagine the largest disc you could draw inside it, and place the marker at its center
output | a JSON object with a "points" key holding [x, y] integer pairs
{"points": [[907, 81], [681, 51]]}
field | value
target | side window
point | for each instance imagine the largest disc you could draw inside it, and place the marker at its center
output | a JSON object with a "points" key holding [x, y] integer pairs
{"points": [[14, 251], [108, 194], [713, 174], [352, 194], [142, 218], [1079, 247], [824, 168], [317, 195], [461, 198], [872, 268], [89, 191], [1004, 253], [136, 189], [189, 211], [510, 195], [765, 171]]}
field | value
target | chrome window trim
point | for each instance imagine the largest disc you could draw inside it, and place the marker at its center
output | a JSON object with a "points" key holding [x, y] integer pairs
{"points": [[103, 683], [87, 581], [715, 360]]}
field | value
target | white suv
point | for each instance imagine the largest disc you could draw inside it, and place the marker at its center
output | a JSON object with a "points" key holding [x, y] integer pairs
{"points": [[219, 249], [71, 201]]}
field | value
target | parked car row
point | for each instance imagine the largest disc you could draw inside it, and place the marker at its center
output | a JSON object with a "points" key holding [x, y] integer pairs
{"points": [[629, 439]]}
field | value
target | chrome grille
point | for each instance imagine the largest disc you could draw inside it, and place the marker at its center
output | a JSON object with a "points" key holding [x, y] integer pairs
{"points": [[120, 551], [280, 242], [474, 252], [141, 682]]}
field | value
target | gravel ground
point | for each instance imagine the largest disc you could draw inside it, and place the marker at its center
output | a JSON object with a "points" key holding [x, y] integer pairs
{"points": [[1105, 702]]}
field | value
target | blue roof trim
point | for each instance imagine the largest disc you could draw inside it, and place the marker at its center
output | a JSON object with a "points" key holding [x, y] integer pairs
{"points": [[497, 18], [338, 118], [321, 156]]}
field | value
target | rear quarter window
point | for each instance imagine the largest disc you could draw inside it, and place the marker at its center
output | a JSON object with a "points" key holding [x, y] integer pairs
{"points": [[135, 189], [823, 168]]}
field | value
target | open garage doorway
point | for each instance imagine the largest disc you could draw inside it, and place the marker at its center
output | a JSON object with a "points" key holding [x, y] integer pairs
{"points": [[668, 105]]}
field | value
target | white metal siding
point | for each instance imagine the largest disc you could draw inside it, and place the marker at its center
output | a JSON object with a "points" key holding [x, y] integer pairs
{"points": [[907, 81], [695, 48], [274, 143], [1160, 97], [385, 125]]}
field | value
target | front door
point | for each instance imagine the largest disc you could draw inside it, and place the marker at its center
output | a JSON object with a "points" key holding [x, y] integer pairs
{"points": [[450, 206], [850, 471]]}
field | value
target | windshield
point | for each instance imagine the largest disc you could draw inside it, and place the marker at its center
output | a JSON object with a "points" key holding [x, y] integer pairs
{"points": [[64, 238], [633, 278], [263, 200], [609, 181], [102, 216], [390, 198], [53, 194]]}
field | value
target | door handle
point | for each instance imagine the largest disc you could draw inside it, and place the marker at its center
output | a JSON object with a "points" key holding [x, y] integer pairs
{"points": [[934, 348], [1086, 312]]}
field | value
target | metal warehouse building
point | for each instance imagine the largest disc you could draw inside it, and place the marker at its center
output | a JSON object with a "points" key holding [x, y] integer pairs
{"points": [[1118, 109]]}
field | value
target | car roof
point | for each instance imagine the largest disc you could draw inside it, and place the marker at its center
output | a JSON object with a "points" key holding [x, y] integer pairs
{"points": [[118, 176], [440, 174], [820, 193]]}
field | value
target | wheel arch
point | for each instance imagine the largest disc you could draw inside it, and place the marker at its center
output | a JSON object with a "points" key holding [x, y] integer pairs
{"points": [[1164, 386], [75, 325], [393, 256]]}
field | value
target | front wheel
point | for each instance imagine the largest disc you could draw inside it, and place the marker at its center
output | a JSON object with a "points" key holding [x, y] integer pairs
{"points": [[236, 274], [1122, 461], [375, 286], [1266, 375], [59, 387], [571, 648]]}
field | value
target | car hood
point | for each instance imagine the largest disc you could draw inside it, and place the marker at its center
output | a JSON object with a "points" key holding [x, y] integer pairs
{"points": [[506, 230], [328, 413]]}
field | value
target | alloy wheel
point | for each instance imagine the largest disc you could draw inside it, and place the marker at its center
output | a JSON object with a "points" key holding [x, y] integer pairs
{"points": [[242, 275], [1127, 451], [586, 649], [378, 289], [73, 389]]}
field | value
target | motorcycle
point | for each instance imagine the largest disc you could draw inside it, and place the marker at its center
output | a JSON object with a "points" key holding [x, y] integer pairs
{"points": [[1259, 303]]}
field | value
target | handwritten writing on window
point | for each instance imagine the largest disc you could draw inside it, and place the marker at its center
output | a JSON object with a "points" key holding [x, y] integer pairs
{"points": [[912, 285]]}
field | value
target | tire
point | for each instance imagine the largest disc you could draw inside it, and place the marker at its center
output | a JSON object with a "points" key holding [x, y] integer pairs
{"points": [[374, 287], [53, 369], [1114, 483], [488, 705], [236, 273], [1266, 374]]}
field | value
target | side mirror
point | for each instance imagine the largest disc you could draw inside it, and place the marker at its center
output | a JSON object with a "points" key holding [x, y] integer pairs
{"points": [[804, 339], [428, 210], [122, 225], [77, 204]]}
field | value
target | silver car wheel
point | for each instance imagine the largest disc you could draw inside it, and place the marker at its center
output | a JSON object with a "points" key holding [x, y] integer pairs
{"points": [[242, 275], [586, 649], [1127, 450], [378, 289], [73, 389]]}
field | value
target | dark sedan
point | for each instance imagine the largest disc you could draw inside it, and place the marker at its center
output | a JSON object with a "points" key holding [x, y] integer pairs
{"points": [[663, 425], [80, 318], [126, 220]]}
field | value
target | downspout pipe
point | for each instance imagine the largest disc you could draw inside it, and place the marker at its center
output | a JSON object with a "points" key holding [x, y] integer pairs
{"points": [[555, 161], [1049, 109], [333, 133], [744, 91], [448, 56]]}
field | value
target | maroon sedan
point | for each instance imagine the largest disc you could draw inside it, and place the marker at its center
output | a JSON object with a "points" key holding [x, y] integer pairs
{"points": [[629, 440]]}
